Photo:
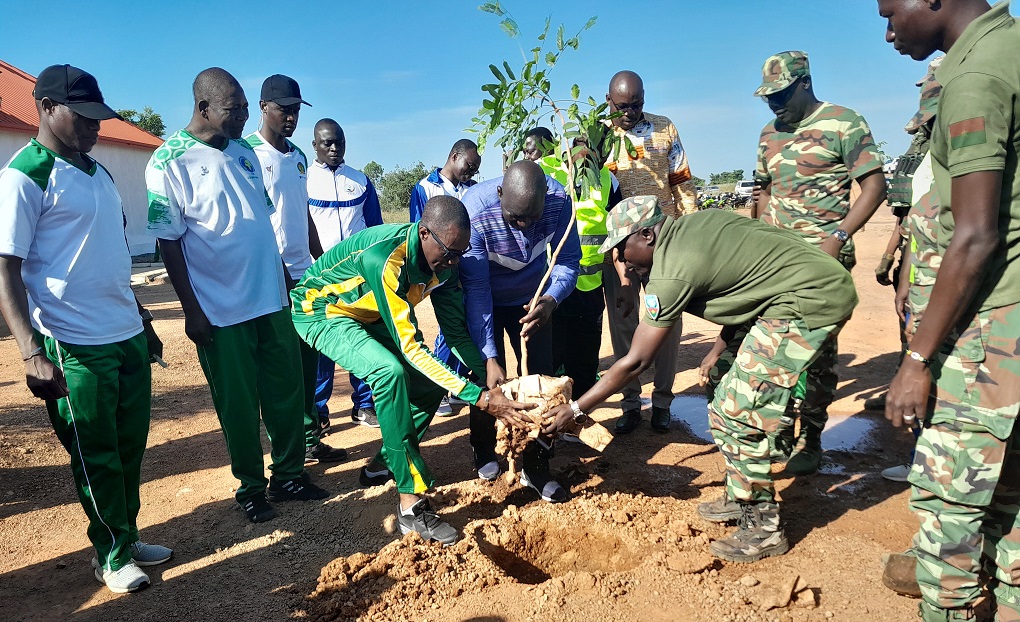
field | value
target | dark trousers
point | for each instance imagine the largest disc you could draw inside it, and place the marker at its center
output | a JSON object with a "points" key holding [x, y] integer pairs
{"points": [[577, 337], [508, 320]]}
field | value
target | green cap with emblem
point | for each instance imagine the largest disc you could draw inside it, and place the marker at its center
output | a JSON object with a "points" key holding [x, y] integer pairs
{"points": [[631, 216], [781, 70]]}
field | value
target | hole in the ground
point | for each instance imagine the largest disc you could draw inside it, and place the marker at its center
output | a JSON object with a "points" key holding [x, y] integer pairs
{"points": [[533, 552]]}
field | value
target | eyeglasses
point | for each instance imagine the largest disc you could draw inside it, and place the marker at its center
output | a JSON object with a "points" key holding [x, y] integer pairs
{"points": [[638, 105], [448, 253], [781, 97]]}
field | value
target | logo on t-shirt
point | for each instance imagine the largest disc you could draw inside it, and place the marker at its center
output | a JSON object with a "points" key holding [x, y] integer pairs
{"points": [[652, 306], [300, 168], [246, 164]]}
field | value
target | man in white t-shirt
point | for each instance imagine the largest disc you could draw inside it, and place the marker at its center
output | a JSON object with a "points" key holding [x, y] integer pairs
{"points": [[342, 201], [65, 291], [284, 171], [453, 180], [209, 210]]}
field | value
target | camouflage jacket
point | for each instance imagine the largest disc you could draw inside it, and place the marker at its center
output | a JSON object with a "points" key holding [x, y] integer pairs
{"points": [[809, 167], [922, 225]]}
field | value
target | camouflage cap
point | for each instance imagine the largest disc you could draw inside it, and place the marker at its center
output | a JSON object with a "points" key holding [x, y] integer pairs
{"points": [[630, 216], [930, 91], [781, 70]]}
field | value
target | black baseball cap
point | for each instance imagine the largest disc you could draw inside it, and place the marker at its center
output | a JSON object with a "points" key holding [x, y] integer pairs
{"points": [[282, 90], [75, 88]]}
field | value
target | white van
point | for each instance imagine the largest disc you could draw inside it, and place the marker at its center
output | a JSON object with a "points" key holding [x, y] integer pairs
{"points": [[744, 188]]}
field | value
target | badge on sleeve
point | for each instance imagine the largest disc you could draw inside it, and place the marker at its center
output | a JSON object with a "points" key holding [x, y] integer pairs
{"points": [[967, 133], [652, 306]]}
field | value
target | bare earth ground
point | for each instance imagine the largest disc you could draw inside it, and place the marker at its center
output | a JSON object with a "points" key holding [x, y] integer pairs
{"points": [[627, 546]]}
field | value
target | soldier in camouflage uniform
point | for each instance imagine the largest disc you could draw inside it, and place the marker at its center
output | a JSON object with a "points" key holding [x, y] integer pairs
{"points": [[807, 158], [965, 477], [737, 272]]}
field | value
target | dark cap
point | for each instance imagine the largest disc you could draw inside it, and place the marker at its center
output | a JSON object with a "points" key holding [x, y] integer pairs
{"points": [[75, 88], [282, 90]]}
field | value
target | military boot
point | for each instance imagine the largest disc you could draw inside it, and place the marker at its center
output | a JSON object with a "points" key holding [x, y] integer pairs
{"points": [[931, 613], [758, 535], [900, 574], [807, 454], [722, 510]]}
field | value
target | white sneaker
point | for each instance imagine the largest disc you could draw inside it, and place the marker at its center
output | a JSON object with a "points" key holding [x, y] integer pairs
{"points": [[150, 554], [897, 473], [444, 410], [129, 578]]}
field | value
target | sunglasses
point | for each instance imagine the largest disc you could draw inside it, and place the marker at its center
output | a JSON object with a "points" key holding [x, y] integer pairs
{"points": [[448, 253], [780, 98]]}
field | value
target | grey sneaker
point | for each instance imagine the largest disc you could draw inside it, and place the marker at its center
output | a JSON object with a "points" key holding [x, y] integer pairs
{"points": [[426, 522], [130, 578], [721, 510], [758, 535], [150, 554], [365, 416]]}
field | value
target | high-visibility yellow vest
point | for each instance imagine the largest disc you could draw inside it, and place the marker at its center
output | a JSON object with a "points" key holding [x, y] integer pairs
{"points": [[591, 222]]}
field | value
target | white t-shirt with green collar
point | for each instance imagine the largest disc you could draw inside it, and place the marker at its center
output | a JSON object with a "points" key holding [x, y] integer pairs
{"points": [[285, 175], [214, 202], [68, 227]]}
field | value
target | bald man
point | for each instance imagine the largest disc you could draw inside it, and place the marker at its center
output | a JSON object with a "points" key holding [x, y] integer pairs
{"points": [[658, 166], [515, 220], [342, 202], [210, 213]]}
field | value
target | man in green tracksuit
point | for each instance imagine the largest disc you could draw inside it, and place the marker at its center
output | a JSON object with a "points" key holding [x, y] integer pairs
{"points": [[356, 303]]}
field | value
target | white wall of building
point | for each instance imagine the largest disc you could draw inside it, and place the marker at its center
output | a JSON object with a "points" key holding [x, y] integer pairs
{"points": [[127, 165]]}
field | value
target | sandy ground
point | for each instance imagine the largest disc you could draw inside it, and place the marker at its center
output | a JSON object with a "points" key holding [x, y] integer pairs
{"points": [[627, 546]]}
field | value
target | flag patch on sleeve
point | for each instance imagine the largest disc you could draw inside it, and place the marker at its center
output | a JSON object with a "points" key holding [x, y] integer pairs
{"points": [[967, 133], [652, 306]]}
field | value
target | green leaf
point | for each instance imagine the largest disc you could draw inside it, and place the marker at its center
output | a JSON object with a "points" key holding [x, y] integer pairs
{"points": [[559, 38], [573, 42], [509, 26], [509, 72], [591, 22], [591, 101], [545, 31], [488, 104], [631, 150], [495, 71], [575, 92], [491, 7], [550, 59]]}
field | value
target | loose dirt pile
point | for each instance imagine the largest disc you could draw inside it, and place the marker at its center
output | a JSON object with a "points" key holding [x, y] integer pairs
{"points": [[591, 559]]}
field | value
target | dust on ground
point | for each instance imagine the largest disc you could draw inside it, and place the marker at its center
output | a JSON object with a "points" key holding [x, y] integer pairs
{"points": [[628, 545]]}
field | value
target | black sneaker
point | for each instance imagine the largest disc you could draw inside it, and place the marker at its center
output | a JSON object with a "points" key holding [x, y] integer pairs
{"points": [[546, 487], [257, 508], [321, 452], [629, 421], [300, 489], [369, 478], [426, 522], [365, 416], [324, 425]]}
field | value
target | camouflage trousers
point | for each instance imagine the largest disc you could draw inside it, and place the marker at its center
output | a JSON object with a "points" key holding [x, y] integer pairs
{"points": [[749, 388], [965, 479]]}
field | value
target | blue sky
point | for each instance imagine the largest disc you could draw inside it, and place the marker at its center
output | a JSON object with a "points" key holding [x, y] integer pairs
{"points": [[403, 78]]}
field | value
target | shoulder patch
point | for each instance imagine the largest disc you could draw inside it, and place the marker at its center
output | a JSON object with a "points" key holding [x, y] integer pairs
{"points": [[967, 133], [652, 307], [173, 148], [35, 162]]}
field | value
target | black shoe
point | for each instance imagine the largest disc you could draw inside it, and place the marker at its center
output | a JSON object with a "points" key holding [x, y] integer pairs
{"points": [[257, 508], [660, 419], [321, 452], [546, 487], [629, 421], [323, 426], [365, 416], [300, 489], [487, 465], [368, 479], [425, 521]]}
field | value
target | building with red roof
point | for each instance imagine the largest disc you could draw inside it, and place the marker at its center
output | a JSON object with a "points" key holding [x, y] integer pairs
{"points": [[123, 149]]}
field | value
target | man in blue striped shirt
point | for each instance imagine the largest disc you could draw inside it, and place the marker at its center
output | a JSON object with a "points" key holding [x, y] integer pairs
{"points": [[515, 220]]}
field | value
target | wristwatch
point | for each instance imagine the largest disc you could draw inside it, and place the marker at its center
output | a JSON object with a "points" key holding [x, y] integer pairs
{"points": [[841, 235], [579, 415]]}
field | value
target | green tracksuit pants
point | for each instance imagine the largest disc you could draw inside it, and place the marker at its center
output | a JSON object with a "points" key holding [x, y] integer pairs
{"points": [[254, 368], [103, 424], [405, 399]]}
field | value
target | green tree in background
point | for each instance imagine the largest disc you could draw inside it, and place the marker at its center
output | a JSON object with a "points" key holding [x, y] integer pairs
{"points": [[374, 171], [395, 187], [727, 177], [148, 120]]}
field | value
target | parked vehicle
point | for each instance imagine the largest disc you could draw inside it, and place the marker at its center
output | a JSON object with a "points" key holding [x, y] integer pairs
{"points": [[744, 188]]}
